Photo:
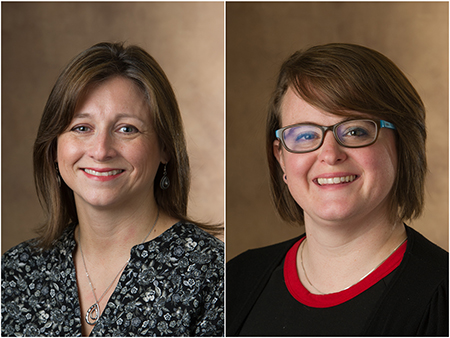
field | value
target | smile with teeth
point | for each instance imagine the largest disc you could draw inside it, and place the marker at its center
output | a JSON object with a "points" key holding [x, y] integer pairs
{"points": [[336, 180], [103, 173]]}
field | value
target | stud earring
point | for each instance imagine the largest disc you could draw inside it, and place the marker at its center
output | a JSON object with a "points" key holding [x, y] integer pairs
{"points": [[165, 182]]}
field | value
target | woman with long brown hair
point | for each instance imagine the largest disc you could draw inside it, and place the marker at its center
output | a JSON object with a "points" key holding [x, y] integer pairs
{"points": [[118, 254]]}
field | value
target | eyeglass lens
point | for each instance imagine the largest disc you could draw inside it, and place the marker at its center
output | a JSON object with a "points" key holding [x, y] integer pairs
{"points": [[308, 137]]}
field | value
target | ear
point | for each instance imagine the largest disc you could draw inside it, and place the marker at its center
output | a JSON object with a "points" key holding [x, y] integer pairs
{"points": [[279, 155], [164, 155], [165, 158]]}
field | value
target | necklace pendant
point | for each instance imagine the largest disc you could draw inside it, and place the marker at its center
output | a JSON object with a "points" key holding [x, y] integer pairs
{"points": [[93, 314]]}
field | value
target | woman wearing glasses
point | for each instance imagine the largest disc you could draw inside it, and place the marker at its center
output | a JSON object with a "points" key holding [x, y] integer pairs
{"points": [[346, 150]]}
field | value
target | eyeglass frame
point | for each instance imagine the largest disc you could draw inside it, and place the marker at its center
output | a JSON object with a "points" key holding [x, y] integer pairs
{"points": [[279, 133]]}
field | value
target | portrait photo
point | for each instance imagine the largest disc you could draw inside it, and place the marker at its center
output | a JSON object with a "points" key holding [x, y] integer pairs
{"points": [[113, 168], [337, 168]]}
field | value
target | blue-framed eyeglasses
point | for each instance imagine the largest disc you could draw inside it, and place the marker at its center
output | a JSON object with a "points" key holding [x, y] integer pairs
{"points": [[306, 137]]}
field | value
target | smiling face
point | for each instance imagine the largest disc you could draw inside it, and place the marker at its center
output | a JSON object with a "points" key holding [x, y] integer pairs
{"points": [[335, 183], [109, 154]]}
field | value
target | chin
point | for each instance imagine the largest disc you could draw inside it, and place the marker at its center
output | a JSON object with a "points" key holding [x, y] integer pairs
{"points": [[336, 214], [101, 201]]}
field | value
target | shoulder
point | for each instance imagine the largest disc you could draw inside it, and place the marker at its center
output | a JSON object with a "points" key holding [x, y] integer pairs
{"points": [[424, 266], [22, 256], [28, 258], [254, 266], [262, 256], [199, 246], [416, 302], [247, 275], [37, 285], [193, 238], [182, 245], [17, 255], [423, 254], [24, 270]]}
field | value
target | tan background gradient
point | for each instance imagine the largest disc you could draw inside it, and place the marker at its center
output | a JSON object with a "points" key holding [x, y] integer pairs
{"points": [[260, 36], [39, 39]]}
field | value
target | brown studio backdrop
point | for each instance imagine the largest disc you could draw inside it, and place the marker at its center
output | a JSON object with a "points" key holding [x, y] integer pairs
{"points": [[260, 36], [39, 39]]}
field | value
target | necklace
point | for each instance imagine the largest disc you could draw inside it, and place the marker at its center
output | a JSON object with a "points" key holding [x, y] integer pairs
{"points": [[348, 287], [93, 313]]}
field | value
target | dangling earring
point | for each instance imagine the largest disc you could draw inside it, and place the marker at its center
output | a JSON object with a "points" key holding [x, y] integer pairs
{"points": [[58, 177], [165, 182]]}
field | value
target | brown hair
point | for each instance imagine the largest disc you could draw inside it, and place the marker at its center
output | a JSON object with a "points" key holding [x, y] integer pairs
{"points": [[343, 79], [100, 62]]}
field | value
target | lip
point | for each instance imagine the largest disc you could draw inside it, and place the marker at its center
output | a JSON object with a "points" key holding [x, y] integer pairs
{"points": [[101, 174], [346, 178]]}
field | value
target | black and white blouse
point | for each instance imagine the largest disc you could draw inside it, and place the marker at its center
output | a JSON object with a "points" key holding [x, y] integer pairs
{"points": [[172, 286]]}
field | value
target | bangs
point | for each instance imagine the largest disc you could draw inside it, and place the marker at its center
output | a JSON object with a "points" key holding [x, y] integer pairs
{"points": [[322, 94], [340, 83]]}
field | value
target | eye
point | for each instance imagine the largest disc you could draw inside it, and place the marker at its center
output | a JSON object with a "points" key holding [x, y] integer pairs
{"points": [[81, 129], [301, 135], [128, 129], [356, 132], [306, 136]]}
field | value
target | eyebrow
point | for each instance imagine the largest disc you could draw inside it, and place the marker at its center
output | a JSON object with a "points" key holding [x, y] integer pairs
{"points": [[119, 116]]}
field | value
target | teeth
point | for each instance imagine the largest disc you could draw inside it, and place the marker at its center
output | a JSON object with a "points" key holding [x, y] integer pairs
{"points": [[104, 173], [336, 180]]}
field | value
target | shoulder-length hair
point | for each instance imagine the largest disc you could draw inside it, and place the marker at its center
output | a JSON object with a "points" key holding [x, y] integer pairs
{"points": [[344, 79], [96, 64]]}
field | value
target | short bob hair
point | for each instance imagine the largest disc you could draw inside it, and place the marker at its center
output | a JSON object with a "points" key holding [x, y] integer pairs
{"points": [[98, 63], [344, 80]]}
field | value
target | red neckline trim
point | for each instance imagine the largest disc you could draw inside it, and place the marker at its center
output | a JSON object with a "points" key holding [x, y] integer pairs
{"points": [[301, 294]]}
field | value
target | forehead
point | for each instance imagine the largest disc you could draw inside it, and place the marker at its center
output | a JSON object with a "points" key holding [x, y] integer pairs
{"points": [[117, 95], [294, 109]]}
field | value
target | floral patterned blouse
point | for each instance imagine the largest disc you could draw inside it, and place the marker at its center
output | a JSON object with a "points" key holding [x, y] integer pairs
{"points": [[172, 286]]}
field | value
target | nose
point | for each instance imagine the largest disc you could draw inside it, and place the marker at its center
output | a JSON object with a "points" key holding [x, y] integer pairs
{"points": [[331, 152], [102, 146]]}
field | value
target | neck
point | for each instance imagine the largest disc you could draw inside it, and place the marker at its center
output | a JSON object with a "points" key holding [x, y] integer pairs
{"points": [[375, 226], [338, 254], [112, 233]]}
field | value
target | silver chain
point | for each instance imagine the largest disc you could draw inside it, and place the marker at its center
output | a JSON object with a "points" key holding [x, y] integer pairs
{"points": [[93, 313], [348, 287]]}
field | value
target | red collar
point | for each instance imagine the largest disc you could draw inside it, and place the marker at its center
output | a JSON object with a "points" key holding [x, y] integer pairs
{"points": [[301, 294]]}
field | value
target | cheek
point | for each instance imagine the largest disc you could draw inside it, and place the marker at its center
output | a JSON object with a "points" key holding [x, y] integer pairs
{"points": [[145, 156], [67, 151], [381, 166], [297, 166], [389, 154]]}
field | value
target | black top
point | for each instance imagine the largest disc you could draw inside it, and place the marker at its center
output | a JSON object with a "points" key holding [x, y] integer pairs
{"points": [[289, 317], [412, 300], [172, 286]]}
